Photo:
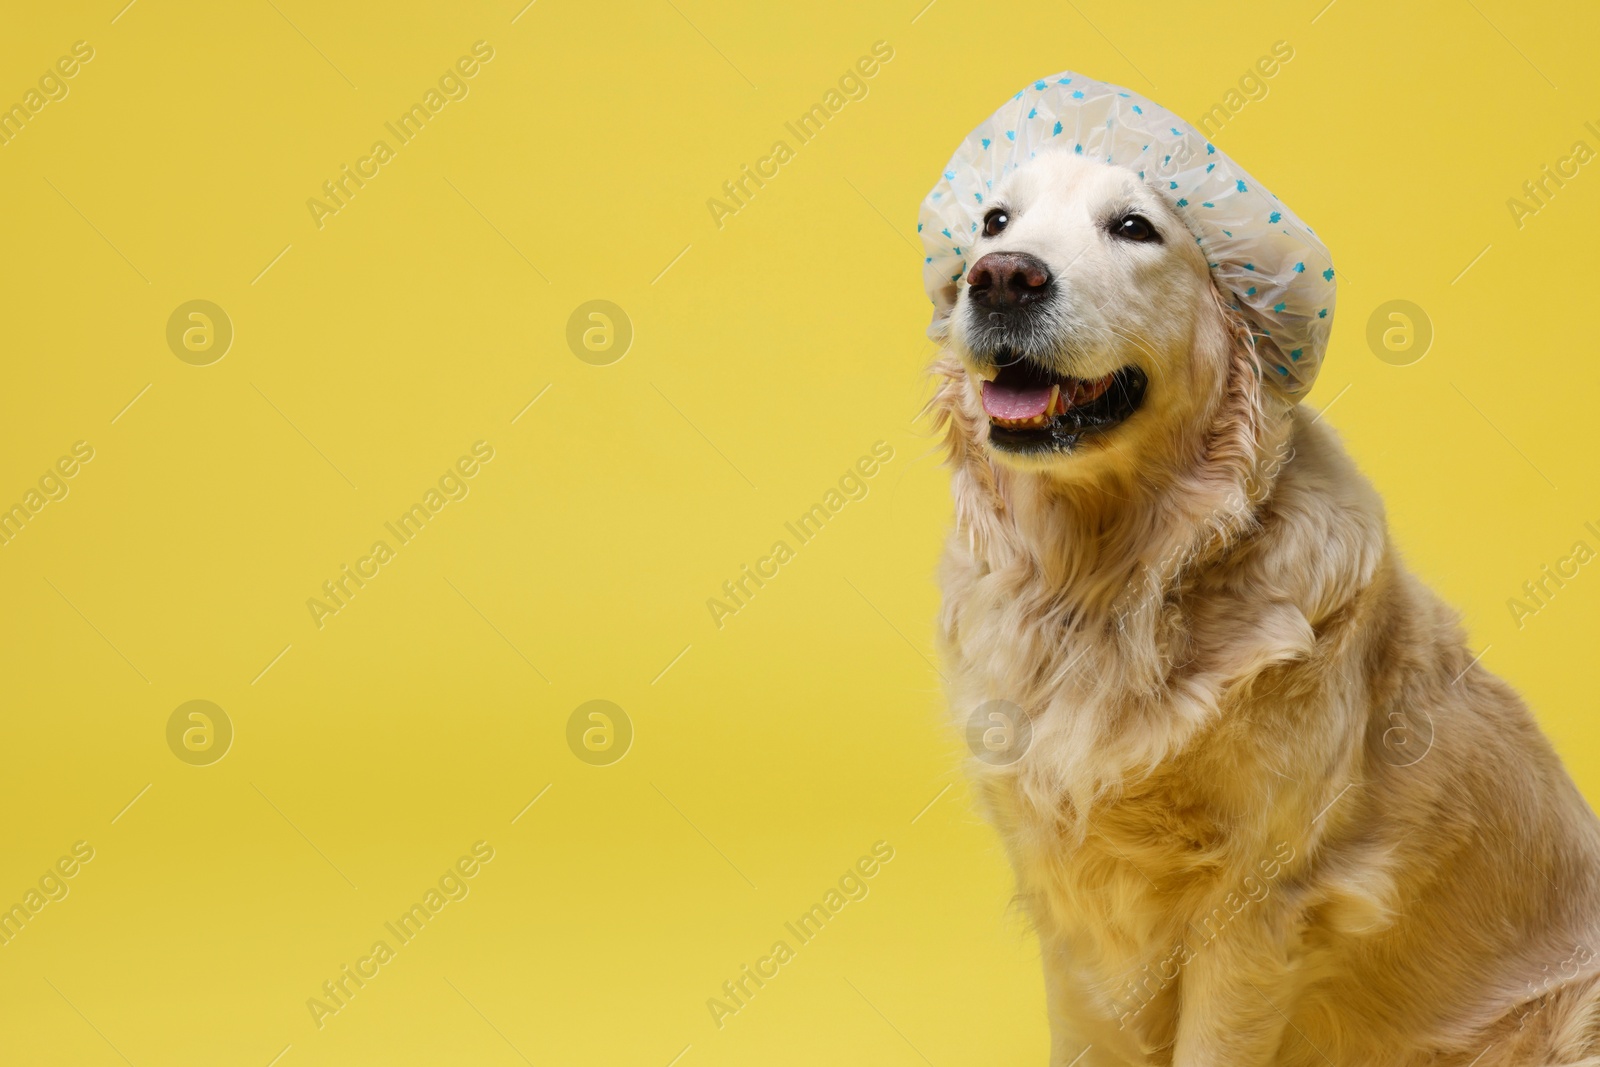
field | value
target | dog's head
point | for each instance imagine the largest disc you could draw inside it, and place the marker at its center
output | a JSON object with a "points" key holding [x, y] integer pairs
{"points": [[1089, 330]]}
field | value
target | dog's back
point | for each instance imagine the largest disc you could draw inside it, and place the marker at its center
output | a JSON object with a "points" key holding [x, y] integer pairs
{"points": [[1454, 889]]}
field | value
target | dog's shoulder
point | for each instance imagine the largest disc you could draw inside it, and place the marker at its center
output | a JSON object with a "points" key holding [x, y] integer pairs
{"points": [[1323, 534]]}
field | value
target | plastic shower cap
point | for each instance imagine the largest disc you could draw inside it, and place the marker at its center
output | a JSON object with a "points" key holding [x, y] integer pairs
{"points": [[1276, 269]]}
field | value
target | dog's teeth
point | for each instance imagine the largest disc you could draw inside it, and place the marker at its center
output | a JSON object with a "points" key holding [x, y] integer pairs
{"points": [[1033, 422]]}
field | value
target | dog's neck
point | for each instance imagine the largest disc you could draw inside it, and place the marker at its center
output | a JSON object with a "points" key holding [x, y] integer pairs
{"points": [[1126, 542], [1070, 600]]}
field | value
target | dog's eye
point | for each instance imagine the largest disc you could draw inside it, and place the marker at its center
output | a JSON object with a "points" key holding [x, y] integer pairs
{"points": [[995, 221], [1134, 228]]}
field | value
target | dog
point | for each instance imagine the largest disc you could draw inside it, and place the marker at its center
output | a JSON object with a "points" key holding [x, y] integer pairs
{"points": [[1262, 803]]}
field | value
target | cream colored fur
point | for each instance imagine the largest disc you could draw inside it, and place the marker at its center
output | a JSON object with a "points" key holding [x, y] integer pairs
{"points": [[1272, 812]]}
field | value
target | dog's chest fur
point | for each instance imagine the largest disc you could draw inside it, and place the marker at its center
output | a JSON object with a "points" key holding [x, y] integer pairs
{"points": [[1164, 729], [1116, 861], [1125, 882]]}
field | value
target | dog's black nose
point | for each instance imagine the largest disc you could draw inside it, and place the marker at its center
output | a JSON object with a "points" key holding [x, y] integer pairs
{"points": [[1005, 280]]}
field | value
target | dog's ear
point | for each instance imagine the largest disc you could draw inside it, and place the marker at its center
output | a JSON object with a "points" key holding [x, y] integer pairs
{"points": [[1245, 362], [1248, 420], [1239, 421]]}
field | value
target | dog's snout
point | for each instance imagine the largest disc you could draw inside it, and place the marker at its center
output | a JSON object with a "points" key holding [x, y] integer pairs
{"points": [[1008, 280]]}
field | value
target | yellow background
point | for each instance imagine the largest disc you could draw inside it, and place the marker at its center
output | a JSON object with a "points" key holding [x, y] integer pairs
{"points": [[772, 354]]}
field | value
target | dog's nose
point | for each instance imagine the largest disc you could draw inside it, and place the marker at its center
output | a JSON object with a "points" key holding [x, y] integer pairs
{"points": [[1002, 280]]}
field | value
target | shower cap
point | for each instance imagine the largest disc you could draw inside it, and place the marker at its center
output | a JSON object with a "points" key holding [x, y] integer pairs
{"points": [[1275, 268]]}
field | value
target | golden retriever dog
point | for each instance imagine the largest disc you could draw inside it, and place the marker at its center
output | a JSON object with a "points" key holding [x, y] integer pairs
{"points": [[1262, 803]]}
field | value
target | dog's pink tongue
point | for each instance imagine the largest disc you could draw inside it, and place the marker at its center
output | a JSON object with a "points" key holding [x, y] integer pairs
{"points": [[1014, 401]]}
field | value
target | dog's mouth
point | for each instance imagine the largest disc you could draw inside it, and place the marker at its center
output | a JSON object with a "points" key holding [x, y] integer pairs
{"points": [[1032, 409]]}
